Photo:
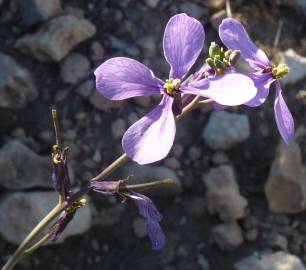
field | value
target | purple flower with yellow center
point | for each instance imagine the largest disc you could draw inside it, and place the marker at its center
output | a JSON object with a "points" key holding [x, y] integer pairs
{"points": [[150, 139], [146, 208], [235, 37]]}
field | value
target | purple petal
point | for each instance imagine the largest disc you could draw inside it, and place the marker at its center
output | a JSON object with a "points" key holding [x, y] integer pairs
{"points": [[60, 178], [283, 117], [183, 42], [231, 89], [234, 37], [60, 225], [146, 207], [262, 83], [105, 187], [120, 78], [150, 139], [156, 235]]}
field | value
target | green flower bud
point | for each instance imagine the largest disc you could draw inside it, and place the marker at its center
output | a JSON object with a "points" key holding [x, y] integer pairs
{"points": [[234, 57], [214, 49], [227, 54], [219, 64]]}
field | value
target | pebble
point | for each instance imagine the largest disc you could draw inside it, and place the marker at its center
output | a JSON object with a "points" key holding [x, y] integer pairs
{"points": [[17, 88], [172, 163], [96, 51], [86, 88], [118, 128], [99, 102], [217, 18], [55, 39], [227, 236], [148, 44], [251, 235], [225, 130], [33, 206], [140, 227], [296, 64], [220, 158], [152, 3], [74, 68], [278, 241], [193, 9], [222, 195], [118, 44]]}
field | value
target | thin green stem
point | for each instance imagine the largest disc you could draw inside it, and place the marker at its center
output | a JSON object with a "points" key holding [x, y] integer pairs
{"points": [[153, 184]]}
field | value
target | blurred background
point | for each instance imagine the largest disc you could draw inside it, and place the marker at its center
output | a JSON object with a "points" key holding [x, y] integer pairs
{"points": [[239, 197]]}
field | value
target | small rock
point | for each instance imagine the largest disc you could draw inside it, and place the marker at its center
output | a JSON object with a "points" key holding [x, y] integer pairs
{"points": [[227, 236], [217, 18], [152, 3], [148, 44], [225, 129], [276, 240], [96, 51], [215, 4], [75, 11], [143, 174], [36, 11], [194, 153], [118, 44], [140, 227], [195, 207], [202, 262], [296, 64], [286, 186], [103, 104], [177, 150], [55, 39], [274, 261], [172, 163], [142, 101], [16, 84], [223, 196], [21, 168], [32, 207], [301, 5], [85, 88], [118, 128], [251, 235], [193, 10], [75, 68], [106, 217]]}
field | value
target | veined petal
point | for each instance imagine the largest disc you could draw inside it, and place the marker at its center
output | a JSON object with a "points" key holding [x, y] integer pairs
{"points": [[234, 37], [283, 117], [120, 78], [183, 42], [262, 82], [156, 235], [150, 138], [231, 89]]}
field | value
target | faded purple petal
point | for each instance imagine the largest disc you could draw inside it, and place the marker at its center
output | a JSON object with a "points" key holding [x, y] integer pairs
{"points": [[60, 225], [60, 178], [56, 179], [156, 235], [105, 187], [283, 117], [234, 37], [262, 82], [150, 138], [122, 78], [231, 89], [183, 41]]}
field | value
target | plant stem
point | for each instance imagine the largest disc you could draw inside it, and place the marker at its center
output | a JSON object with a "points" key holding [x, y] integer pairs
{"points": [[24, 248], [153, 184]]}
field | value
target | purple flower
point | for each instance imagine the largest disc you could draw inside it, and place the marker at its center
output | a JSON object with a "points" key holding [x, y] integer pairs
{"points": [[234, 36], [150, 139], [146, 208]]}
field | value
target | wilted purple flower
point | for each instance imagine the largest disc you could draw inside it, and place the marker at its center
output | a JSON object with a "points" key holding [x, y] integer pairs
{"points": [[60, 225], [150, 139], [146, 208], [234, 36]]}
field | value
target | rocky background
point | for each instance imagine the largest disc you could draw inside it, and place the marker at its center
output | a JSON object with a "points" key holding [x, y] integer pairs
{"points": [[239, 197]]}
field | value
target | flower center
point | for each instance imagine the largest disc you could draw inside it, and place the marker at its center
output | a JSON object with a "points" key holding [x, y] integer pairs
{"points": [[76, 205], [280, 71], [172, 86]]}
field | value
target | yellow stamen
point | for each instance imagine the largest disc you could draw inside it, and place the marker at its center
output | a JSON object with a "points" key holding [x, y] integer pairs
{"points": [[172, 86], [280, 71]]}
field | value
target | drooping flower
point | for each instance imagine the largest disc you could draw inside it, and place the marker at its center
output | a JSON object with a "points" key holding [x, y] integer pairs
{"points": [[150, 139], [146, 208], [235, 37]]}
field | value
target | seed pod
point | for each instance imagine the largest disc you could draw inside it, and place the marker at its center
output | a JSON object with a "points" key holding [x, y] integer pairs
{"points": [[214, 49], [210, 62], [219, 64], [234, 57]]}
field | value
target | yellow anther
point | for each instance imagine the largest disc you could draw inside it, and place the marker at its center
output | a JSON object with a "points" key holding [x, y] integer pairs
{"points": [[280, 71], [82, 201], [172, 86]]}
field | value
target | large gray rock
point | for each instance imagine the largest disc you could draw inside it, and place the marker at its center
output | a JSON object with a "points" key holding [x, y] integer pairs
{"points": [[16, 84], [286, 186], [55, 39], [21, 168], [223, 196], [144, 174], [274, 261], [21, 211], [225, 129], [36, 11], [296, 64]]}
